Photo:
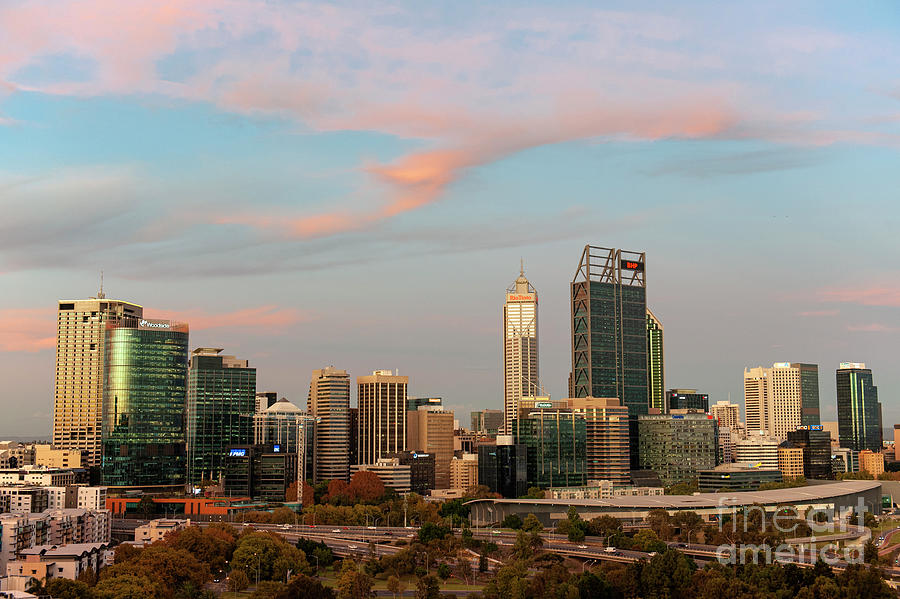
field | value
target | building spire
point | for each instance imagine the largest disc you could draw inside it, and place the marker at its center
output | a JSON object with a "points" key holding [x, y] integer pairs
{"points": [[521, 267], [100, 294]]}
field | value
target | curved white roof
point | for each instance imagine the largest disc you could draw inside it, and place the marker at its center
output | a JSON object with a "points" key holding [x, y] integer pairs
{"points": [[283, 406]]}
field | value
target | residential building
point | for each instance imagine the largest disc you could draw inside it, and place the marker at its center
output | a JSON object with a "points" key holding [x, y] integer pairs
{"points": [[37, 475], [790, 460], [81, 331], [503, 467], [221, 400], [816, 446], [157, 529], [264, 400], [487, 422], [726, 414], [144, 399], [51, 527], [329, 404], [606, 438], [288, 429], [736, 477], [391, 472], [686, 399], [382, 415], [520, 346], [677, 446], [779, 399], [656, 372], [27, 500], [609, 332], [757, 449], [45, 455], [554, 437], [464, 472], [430, 430], [16, 455], [859, 411], [46, 562], [871, 462]]}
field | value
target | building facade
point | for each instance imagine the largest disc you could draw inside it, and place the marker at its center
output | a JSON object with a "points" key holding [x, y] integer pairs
{"points": [[382, 415], [464, 472], [487, 422], [520, 346], [790, 460], [144, 398], [871, 462], [391, 472], [726, 414], [503, 467], [677, 446], [859, 411], [287, 429], [221, 401], [555, 440], [606, 438], [777, 400], [656, 369], [329, 404], [758, 450], [816, 446], [265, 399], [430, 430], [686, 399], [81, 329]]}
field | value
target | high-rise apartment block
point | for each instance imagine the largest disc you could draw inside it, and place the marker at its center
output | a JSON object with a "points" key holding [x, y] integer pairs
{"points": [[686, 399], [677, 446], [80, 358], [859, 411], [430, 430], [382, 415], [221, 400], [871, 462], [329, 404], [726, 414], [520, 346], [656, 371], [606, 438], [143, 403], [489, 422], [779, 399]]}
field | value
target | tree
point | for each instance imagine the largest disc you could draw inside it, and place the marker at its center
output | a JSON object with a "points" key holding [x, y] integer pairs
{"points": [[464, 567], [146, 507], [213, 546], [430, 531], [661, 523], [603, 526], [428, 587], [35, 586], [395, 585], [365, 487], [87, 576], [337, 492], [688, 522], [443, 571], [352, 583], [532, 524], [63, 588], [270, 554], [128, 586], [513, 521], [307, 588], [238, 581], [168, 568], [268, 589], [534, 493]]}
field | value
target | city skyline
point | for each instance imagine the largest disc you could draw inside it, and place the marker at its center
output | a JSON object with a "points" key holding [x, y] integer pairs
{"points": [[386, 171]]}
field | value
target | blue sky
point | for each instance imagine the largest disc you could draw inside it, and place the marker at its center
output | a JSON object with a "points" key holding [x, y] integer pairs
{"points": [[312, 184]]}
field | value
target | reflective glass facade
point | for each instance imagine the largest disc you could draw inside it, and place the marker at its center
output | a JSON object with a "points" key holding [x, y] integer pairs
{"points": [[678, 446], [144, 398], [809, 394], [503, 469], [859, 411], [656, 372], [555, 441]]}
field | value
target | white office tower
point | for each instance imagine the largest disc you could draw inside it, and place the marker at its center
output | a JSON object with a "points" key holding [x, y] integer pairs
{"points": [[520, 346], [726, 413], [774, 398]]}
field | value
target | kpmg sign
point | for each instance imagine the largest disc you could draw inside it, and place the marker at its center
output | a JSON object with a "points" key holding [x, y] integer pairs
{"points": [[237, 453], [149, 324]]}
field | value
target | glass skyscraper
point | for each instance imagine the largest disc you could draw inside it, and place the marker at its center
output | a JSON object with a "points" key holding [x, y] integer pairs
{"points": [[555, 440], [859, 411], [221, 399], [678, 446], [288, 429], [656, 371], [143, 406]]}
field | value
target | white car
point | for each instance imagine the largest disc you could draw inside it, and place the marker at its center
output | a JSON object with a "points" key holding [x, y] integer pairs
{"points": [[352, 547], [336, 530], [582, 546]]}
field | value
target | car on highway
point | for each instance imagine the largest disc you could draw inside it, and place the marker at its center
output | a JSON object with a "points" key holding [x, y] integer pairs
{"points": [[372, 527], [610, 550], [352, 547], [582, 546], [336, 530], [286, 526], [652, 554]]}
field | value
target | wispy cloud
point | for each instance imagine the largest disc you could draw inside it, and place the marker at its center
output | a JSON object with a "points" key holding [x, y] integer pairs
{"points": [[27, 329], [872, 328], [269, 319], [877, 295], [818, 313]]}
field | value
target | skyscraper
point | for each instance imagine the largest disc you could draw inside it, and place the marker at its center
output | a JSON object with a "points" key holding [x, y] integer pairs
{"points": [[777, 399], [606, 438], [143, 403], [555, 437], [859, 411], [382, 414], [678, 446], [329, 404], [609, 331], [80, 358], [656, 372], [487, 421], [429, 429], [265, 399], [520, 345], [221, 400]]}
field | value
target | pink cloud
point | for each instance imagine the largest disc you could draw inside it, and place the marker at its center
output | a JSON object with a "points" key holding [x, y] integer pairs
{"points": [[878, 295], [270, 318], [815, 313], [27, 329], [872, 328]]}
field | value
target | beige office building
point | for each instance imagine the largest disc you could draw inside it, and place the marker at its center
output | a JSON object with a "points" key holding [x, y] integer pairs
{"points": [[430, 430], [871, 462], [832, 427], [760, 451], [329, 404], [520, 347], [78, 396], [464, 472], [772, 399], [382, 415], [726, 413], [45, 455], [607, 448], [790, 461]]}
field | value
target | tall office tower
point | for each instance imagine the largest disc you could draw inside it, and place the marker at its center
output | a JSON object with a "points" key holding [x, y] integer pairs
{"points": [[656, 371], [287, 429], [221, 400], [609, 332], [265, 400], [606, 438], [726, 413], [489, 422], [678, 446], [816, 446], [555, 438], [143, 403], [778, 399], [382, 414], [503, 467], [80, 355], [520, 345], [686, 399], [429, 429], [329, 404], [859, 411]]}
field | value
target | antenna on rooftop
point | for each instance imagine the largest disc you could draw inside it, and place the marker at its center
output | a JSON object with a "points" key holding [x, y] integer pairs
{"points": [[100, 294]]}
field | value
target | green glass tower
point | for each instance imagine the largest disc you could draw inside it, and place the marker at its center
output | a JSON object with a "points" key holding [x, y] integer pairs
{"points": [[656, 371], [221, 400], [809, 393], [555, 440], [859, 411], [143, 409], [678, 446]]}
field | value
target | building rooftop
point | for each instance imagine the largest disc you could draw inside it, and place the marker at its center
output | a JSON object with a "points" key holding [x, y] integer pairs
{"points": [[70, 550], [283, 406]]}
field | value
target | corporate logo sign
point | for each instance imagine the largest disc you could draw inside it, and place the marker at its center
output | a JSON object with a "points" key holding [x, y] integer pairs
{"points": [[151, 324]]}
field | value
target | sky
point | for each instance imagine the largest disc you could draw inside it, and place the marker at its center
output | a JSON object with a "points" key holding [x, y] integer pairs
{"points": [[355, 183]]}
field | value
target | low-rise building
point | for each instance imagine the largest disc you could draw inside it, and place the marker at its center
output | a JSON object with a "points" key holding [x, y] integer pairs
{"points": [[46, 562], [51, 527], [601, 489], [37, 475], [871, 462], [790, 460], [45, 455], [759, 450], [464, 472], [155, 530], [737, 477], [391, 472], [26, 500]]}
